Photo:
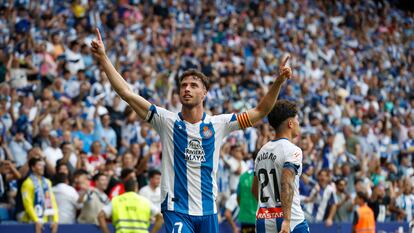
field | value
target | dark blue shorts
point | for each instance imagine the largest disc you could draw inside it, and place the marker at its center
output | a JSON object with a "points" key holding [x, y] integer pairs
{"points": [[175, 222]]}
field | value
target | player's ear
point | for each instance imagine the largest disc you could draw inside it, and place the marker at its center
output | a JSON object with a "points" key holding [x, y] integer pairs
{"points": [[290, 123]]}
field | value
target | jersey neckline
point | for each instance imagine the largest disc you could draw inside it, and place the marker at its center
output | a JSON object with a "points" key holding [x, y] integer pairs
{"points": [[202, 118], [275, 140]]}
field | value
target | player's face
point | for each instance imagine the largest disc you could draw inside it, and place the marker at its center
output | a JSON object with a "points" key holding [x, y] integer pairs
{"points": [[192, 91]]}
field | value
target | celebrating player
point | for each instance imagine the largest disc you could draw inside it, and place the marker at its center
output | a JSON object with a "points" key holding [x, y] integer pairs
{"points": [[278, 166], [191, 142]]}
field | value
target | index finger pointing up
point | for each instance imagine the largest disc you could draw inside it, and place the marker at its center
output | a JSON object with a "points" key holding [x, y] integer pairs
{"points": [[98, 35], [284, 60]]}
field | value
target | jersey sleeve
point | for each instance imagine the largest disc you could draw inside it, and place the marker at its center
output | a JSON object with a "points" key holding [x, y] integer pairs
{"points": [[293, 159], [158, 116], [28, 199], [233, 121]]}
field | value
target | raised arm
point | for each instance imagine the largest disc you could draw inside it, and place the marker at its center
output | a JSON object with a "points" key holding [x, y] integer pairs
{"points": [[139, 104], [288, 180], [269, 100]]}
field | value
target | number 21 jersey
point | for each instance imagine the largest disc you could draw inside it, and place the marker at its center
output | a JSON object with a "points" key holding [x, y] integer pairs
{"points": [[271, 159]]}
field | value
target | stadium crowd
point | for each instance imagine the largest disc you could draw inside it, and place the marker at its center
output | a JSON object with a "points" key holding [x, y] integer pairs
{"points": [[353, 79]]}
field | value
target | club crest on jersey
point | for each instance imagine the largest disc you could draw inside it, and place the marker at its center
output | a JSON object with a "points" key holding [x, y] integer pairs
{"points": [[194, 151], [207, 133]]}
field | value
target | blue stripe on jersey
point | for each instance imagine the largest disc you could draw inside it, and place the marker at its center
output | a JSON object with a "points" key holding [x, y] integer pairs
{"points": [[233, 118], [291, 166], [180, 167], [208, 139], [153, 111]]}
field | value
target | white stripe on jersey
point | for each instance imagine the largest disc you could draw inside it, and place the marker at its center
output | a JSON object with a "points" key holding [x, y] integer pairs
{"points": [[270, 160]]}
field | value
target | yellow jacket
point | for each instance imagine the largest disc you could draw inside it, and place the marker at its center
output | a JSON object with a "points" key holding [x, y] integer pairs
{"points": [[28, 196]]}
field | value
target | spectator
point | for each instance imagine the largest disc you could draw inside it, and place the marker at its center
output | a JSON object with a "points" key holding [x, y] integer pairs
{"points": [[152, 191], [380, 202], [94, 200], [237, 166], [19, 148], [53, 153], [38, 199], [324, 199], [405, 201], [344, 205], [66, 198], [8, 174]]}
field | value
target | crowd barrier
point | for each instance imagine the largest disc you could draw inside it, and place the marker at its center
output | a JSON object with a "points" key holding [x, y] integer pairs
{"points": [[392, 227]]}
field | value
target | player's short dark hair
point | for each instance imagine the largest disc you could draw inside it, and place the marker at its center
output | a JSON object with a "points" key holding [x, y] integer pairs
{"points": [[193, 72], [282, 110], [130, 185], [153, 173]]}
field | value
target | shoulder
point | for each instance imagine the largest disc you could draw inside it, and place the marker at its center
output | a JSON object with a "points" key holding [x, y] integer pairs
{"points": [[27, 182], [222, 118]]}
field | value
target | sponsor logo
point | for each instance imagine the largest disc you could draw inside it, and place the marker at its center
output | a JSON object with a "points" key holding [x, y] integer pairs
{"points": [[194, 151], [269, 213]]}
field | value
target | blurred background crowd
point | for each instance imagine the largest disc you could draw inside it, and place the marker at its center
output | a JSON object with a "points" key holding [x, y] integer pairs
{"points": [[352, 78]]}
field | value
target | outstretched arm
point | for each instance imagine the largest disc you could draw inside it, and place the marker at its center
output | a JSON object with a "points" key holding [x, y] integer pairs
{"points": [[139, 104], [269, 100], [288, 180]]}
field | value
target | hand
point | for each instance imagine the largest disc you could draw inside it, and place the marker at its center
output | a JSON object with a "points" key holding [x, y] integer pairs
{"points": [[285, 72], [328, 222], [98, 48], [38, 227], [285, 227], [53, 227]]}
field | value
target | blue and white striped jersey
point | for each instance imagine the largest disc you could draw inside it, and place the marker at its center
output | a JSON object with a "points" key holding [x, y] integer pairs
{"points": [[190, 156]]}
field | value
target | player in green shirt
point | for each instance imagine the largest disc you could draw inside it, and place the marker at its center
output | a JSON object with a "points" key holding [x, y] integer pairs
{"points": [[247, 203]]}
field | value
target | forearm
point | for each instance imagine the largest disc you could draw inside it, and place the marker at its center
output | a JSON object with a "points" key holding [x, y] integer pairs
{"points": [[158, 223], [102, 223], [332, 212], [266, 103], [287, 192], [121, 87], [117, 81]]}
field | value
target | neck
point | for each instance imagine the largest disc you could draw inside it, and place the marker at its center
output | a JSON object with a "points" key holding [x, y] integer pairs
{"points": [[153, 187], [285, 134], [192, 114]]}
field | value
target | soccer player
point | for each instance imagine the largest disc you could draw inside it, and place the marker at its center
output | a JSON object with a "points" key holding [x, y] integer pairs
{"points": [[191, 142], [278, 167]]}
